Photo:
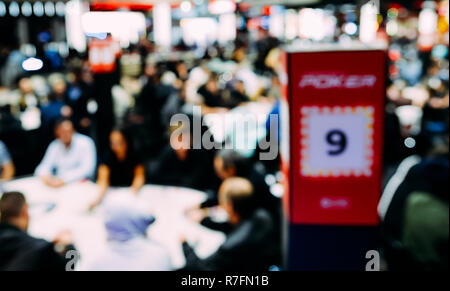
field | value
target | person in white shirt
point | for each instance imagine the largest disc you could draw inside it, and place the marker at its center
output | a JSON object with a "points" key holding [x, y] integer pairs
{"points": [[69, 158], [128, 248]]}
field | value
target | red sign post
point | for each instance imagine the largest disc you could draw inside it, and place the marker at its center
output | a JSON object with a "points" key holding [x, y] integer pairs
{"points": [[334, 100]]}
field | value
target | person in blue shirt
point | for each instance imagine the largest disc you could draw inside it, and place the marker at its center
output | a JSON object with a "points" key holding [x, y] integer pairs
{"points": [[70, 157]]}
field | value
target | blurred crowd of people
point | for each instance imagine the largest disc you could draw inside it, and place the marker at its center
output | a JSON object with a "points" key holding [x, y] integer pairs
{"points": [[114, 128]]}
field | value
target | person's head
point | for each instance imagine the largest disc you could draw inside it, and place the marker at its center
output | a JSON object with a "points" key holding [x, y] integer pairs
{"points": [[229, 163], [64, 131], [211, 84], [182, 70], [240, 87], [59, 87], [236, 198], [25, 85], [119, 142], [124, 220], [14, 210], [150, 70]]}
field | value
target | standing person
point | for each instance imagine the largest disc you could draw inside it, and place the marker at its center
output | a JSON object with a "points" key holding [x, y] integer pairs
{"points": [[120, 167], [78, 95], [54, 110], [70, 157], [128, 248], [105, 118], [7, 169], [21, 252], [213, 101]]}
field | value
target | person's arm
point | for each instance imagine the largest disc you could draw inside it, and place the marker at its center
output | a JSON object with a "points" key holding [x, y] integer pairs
{"points": [[44, 169], [8, 171], [139, 178], [224, 227], [103, 184], [86, 168], [6, 163]]}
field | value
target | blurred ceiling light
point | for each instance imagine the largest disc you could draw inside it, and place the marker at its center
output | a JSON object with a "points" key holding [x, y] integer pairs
{"points": [[123, 25], [14, 9], [428, 18], [410, 142], [276, 22], [350, 28], [32, 64], [311, 23], [290, 24], [49, 9], [201, 31], [162, 23], [221, 6], [368, 22], [74, 31], [186, 6], [227, 28], [27, 9], [38, 9], [60, 8], [2, 9]]}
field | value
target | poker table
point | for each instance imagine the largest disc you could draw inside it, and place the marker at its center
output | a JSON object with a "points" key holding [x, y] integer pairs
{"points": [[66, 208]]}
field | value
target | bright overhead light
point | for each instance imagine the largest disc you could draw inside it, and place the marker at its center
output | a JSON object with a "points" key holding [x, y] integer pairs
{"points": [[27, 9], [410, 142], [350, 28], [60, 8], [185, 6], [14, 9], [49, 9], [2, 9], [38, 8], [221, 6], [32, 64]]}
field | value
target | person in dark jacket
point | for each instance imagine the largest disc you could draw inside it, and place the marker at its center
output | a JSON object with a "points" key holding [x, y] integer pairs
{"points": [[229, 163], [414, 211], [179, 164], [249, 244], [21, 252]]}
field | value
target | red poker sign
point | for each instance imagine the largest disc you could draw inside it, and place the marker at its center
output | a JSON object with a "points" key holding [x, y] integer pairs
{"points": [[333, 126]]}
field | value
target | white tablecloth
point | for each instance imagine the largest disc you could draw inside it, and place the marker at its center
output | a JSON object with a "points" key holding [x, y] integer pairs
{"points": [[71, 202]]}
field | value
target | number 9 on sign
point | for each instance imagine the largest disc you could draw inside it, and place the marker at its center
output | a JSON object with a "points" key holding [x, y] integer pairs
{"points": [[336, 141]]}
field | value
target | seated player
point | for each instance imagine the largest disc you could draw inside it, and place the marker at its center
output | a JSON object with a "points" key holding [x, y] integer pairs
{"points": [[249, 244], [21, 252], [70, 157], [120, 167]]}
